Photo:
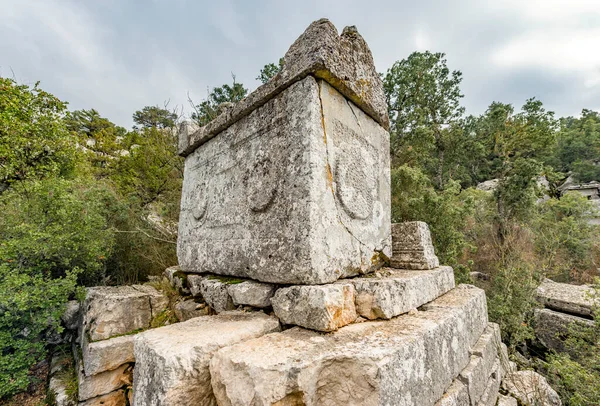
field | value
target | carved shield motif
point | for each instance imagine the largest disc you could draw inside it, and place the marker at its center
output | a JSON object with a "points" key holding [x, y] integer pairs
{"points": [[262, 183], [354, 183]]}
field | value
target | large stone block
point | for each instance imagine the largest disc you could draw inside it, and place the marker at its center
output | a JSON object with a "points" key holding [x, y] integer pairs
{"points": [[409, 360], [105, 355], [216, 295], [456, 395], [392, 292], [297, 192], [102, 383], [116, 398], [412, 247], [490, 395], [344, 61], [553, 328], [110, 311], [531, 388], [251, 293], [567, 298], [320, 307], [172, 361]]}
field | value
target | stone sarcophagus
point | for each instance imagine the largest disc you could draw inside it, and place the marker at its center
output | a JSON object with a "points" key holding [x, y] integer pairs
{"points": [[292, 184]]}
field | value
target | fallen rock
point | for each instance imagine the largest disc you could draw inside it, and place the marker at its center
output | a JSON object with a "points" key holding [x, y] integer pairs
{"points": [[394, 292], [531, 389], [172, 361], [566, 298], [507, 401], [215, 293], [409, 360], [105, 355], [110, 311], [412, 247], [70, 317], [188, 309], [317, 307], [553, 328], [456, 395], [250, 293]]}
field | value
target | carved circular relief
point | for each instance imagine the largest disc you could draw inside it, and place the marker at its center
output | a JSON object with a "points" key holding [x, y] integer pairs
{"points": [[199, 202], [355, 182], [261, 184]]}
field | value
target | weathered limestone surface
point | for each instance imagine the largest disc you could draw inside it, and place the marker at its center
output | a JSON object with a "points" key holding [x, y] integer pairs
{"points": [[216, 295], [483, 360], [456, 395], [188, 309], [392, 292], [104, 382], [566, 298], [317, 307], [507, 401], [194, 284], [117, 398], [409, 360], [172, 361], [105, 355], [178, 279], [297, 192], [412, 247], [70, 317], [530, 388], [60, 374], [251, 293], [552, 328], [345, 61], [109, 311], [490, 395]]}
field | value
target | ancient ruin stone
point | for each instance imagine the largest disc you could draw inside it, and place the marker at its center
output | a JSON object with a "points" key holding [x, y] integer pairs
{"points": [[109, 311], [188, 309], [490, 395], [116, 398], [297, 189], [567, 298], [345, 61], [178, 279], [102, 383], [172, 361], [409, 360], [194, 284], [250, 293], [216, 295], [552, 328], [100, 356], [456, 395], [61, 374], [392, 292], [412, 247], [507, 401], [70, 317], [321, 307], [531, 388]]}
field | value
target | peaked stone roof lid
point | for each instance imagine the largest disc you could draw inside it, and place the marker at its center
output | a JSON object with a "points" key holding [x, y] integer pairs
{"points": [[344, 61]]}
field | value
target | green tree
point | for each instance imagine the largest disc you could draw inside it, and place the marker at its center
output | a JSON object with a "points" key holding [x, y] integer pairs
{"points": [[208, 109], [423, 98], [154, 117], [269, 70], [34, 142]]}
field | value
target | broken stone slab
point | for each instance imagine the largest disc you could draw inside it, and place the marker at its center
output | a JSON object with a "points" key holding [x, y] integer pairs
{"points": [[70, 317], [484, 357], [566, 298], [531, 388], [89, 387], [189, 309], [251, 293], [412, 247], [116, 398], [389, 292], [178, 279], [490, 395], [344, 61], [110, 311], [317, 307], [408, 360], [106, 355], [215, 293], [172, 361], [553, 328], [297, 192], [456, 395]]}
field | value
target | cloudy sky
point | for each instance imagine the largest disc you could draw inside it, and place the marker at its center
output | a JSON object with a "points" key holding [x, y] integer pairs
{"points": [[119, 55]]}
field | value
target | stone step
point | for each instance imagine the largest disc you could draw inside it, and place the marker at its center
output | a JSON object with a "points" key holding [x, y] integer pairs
{"points": [[409, 360], [391, 292], [172, 362], [412, 247]]}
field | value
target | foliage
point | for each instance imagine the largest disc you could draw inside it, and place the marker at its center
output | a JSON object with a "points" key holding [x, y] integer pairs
{"points": [[209, 109], [269, 70], [154, 117], [34, 142]]}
